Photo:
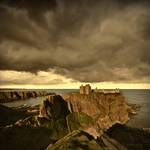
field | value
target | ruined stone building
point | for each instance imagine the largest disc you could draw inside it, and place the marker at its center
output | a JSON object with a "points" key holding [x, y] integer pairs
{"points": [[82, 89], [85, 89]]}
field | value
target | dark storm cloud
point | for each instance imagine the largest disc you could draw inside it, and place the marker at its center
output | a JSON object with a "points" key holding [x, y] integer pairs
{"points": [[87, 40]]}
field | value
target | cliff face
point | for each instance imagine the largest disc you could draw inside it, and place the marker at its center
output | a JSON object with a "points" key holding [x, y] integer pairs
{"points": [[8, 96], [78, 129], [54, 108], [105, 109]]}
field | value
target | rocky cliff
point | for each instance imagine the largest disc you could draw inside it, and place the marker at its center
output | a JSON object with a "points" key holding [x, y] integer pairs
{"points": [[54, 107], [78, 122], [105, 109], [8, 96]]}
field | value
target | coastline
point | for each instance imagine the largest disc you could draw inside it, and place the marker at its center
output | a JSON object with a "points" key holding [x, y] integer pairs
{"points": [[12, 96], [27, 119]]}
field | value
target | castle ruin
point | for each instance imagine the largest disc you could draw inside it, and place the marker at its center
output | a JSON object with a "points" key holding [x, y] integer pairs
{"points": [[85, 89]]}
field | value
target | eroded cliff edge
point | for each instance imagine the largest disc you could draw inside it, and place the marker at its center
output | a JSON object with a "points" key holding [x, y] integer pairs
{"points": [[74, 121], [105, 109], [9, 96]]}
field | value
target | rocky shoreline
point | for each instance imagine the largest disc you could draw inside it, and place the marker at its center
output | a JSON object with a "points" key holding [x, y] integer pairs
{"points": [[73, 121], [9, 96]]}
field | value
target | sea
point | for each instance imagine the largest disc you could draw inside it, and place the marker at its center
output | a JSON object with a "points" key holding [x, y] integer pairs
{"points": [[133, 96], [142, 98]]}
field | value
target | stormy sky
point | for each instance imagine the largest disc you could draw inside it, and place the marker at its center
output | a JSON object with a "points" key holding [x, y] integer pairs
{"points": [[70, 41]]}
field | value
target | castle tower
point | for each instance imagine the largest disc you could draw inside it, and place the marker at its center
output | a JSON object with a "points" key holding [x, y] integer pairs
{"points": [[87, 89], [82, 89]]}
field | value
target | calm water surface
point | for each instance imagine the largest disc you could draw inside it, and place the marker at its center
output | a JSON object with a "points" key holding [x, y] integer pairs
{"points": [[38, 100], [141, 97]]}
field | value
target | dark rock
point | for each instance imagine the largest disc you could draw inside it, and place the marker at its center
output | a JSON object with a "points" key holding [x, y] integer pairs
{"points": [[25, 138], [29, 121], [77, 140], [8, 96], [131, 138], [58, 127], [61, 128], [10, 115], [54, 108]]}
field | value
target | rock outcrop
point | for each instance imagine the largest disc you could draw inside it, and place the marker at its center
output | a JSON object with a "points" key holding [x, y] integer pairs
{"points": [[78, 122], [131, 138], [81, 121], [78, 140], [10, 115], [54, 108], [8, 96], [91, 113], [105, 109]]}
